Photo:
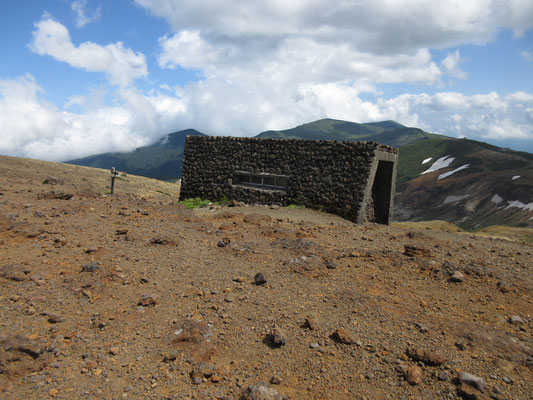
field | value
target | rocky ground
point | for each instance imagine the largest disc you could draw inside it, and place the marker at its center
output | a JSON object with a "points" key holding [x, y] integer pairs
{"points": [[131, 296]]}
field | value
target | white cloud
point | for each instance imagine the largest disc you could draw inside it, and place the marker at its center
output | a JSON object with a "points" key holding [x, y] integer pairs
{"points": [[33, 127], [83, 17], [270, 65], [527, 55], [121, 65], [451, 65]]}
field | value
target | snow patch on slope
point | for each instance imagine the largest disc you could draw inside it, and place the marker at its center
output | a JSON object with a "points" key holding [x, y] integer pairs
{"points": [[427, 160], [516, 177], [442, 162], [519, 204], [447, 174], [496, 199], [454, 199]]}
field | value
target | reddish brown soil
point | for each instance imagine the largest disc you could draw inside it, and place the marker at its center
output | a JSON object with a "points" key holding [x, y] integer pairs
{"points": [[172, 302]]}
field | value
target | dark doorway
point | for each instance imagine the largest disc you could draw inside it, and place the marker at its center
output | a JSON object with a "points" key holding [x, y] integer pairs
{"points": [[381, 192]]}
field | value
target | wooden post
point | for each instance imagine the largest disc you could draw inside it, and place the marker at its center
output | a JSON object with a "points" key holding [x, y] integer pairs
{"points": [[114, 173]]}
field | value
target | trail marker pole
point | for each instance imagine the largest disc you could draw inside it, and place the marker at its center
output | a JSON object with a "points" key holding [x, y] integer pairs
{"points": [[114, 174]]}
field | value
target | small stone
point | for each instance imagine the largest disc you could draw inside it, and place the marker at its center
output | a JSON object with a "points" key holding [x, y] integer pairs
{"points": [[311, 323], [506, 379], [278, 336], [215, 378], [461, 343], [516, 320], [122, 231], [224, 242], [261, 391], [54, 319], [148, 300], [14, 272], [90, 267], [53, 392], [331, 265], [200, 371], [427, 357], [496, 389], [52, 180], [504, 286], [60, 240], [113, 350], [275, 380], [443, 376], [230, 298], [457, 277], [259, 279], [239, 279], [314, 345], [472, 380], [341, 335], [413, 375]]}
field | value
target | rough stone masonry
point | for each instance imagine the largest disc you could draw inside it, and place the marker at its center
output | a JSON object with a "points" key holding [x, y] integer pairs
{"points": [[355, 180]]}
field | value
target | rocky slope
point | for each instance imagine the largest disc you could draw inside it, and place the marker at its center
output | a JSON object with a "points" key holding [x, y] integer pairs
{"points": [[131, 296], [468, 183]]}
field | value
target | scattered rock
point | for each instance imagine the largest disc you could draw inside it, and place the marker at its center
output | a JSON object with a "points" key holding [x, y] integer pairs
{"points": [[443, 376], [516, 320], [504, 286], [415, 251], [113, 350], [55, 319], [148, 300], [159, 240], [122, 231], [331, 265], [341, 335], [413, 375], [278, 336], [200, 371], [90, 267], [52, 180], [472, 380], [20, 355], [224, 242], [457, 277], [14, 272], [55, 196], [427, 357], [259, 279], [275, 380], [261, 391], [311, 323], [461, 343]]}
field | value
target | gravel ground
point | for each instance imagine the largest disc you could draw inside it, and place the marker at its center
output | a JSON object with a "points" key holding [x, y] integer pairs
{"points": [[133, 297]]}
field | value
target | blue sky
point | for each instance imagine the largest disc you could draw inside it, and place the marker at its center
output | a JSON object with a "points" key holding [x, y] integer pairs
{"points": [[84, 77]]}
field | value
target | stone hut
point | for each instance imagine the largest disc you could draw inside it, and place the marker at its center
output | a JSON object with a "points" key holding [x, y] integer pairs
{"points": [[355, 180]]}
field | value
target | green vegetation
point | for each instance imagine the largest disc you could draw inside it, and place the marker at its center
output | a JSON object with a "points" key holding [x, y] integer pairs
{"points": [[195, 203], [161, 192], [295, 207], [520, 234]]}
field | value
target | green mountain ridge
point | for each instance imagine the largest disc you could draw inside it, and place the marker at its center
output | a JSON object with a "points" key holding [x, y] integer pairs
{"points": [[386, 132], [465, 198], [161, 160]]}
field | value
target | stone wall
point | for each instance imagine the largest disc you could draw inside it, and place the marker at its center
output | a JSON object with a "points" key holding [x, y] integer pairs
{"points": [[334, 176]]}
